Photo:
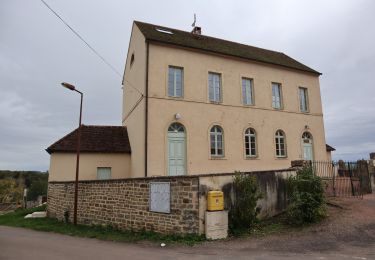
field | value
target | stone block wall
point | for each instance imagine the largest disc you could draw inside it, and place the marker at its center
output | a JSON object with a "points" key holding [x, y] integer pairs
{"points": [[124, 204], [272, 184]]}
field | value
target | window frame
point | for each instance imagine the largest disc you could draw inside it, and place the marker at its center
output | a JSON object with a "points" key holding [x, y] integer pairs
{"points": [[278, 144], [216, 155], [110, 172], [220, 87], [306, 96], [280, 96], [180, 129], [174, 86], [249, 135], [252, 97]]}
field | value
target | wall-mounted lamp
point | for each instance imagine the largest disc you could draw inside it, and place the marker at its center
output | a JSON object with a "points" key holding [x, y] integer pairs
{"points": [[177, 116]]}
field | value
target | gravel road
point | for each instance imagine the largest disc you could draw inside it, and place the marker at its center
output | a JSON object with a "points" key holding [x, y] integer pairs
{"points": [[348, 233]]}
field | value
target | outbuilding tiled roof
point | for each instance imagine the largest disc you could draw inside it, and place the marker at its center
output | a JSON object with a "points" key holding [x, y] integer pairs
{"points": [[330, 148], [187, 39], [94, 139]]}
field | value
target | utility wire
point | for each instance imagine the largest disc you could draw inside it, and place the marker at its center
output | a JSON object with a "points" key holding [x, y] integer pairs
{"points": [[132, 109], [97, 54], [81, 38]]}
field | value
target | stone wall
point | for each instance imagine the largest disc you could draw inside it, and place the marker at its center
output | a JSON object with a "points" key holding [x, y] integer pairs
{"points": [[124, 204], [272, 184]]}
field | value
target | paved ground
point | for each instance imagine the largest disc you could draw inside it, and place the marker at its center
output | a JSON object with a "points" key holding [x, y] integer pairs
{"points": [[348, 233]]}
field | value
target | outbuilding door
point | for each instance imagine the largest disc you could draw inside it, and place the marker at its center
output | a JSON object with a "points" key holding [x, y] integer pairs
{"points": [[176, 150]]}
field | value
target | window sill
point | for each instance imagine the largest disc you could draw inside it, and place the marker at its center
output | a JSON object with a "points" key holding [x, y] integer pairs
{"points": [[216, 102], [252, 158], [281, 158], [177, 98], [217, 158]]}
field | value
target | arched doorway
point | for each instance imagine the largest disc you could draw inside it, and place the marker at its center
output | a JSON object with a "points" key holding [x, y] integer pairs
{"points": [[307, 146], [176, 150]]}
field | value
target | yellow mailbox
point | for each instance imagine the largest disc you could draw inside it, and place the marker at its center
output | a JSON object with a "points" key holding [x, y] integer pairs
{"points": [[215, 201]]}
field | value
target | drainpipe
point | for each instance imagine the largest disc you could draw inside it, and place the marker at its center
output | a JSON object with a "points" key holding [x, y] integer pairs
{"points": [[146, 109]]}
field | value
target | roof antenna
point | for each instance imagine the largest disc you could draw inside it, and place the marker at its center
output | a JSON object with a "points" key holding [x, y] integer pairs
{"points": [[196, 29]]}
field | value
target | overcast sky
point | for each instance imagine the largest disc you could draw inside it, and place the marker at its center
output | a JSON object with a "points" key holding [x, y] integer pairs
{"points": [[37, 52]]}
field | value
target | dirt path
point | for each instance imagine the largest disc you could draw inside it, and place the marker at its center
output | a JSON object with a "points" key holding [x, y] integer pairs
{"points": [[348, 233], [351, 226]]}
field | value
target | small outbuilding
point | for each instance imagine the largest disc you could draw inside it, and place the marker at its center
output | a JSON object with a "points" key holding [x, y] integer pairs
{"points": [[329, 150], [104, 154]]}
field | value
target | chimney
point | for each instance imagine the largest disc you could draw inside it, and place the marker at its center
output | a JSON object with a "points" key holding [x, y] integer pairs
{"points": [[196, 30]]}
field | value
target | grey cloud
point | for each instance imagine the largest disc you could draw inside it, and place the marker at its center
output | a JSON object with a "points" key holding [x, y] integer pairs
{"points": [[37, 52]]}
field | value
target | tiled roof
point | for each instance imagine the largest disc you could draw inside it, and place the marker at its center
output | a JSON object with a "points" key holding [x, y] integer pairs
{"points": [[215, 45], [94, 139], [330, 148]]}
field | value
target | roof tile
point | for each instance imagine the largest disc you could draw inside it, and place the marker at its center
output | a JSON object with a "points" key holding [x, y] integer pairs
{"points": [[95, 139], [211, 44], [330, 148]]}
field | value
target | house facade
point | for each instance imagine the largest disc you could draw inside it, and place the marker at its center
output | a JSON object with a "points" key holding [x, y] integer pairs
{"points": [[194, 104]]}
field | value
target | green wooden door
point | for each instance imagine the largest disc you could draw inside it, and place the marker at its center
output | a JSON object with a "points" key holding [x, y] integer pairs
{"points": [[176, 152]]}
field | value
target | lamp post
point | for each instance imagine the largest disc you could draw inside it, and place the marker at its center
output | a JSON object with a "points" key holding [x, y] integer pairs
{"points": [[73, 88]]}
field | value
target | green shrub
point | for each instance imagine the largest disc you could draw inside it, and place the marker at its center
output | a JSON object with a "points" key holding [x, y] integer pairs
{"points": [[10, 191], [306, 198], [38, 188], [243, 212]]}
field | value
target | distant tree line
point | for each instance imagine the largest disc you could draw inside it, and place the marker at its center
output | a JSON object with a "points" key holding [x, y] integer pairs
{"points": [[13, 183]]}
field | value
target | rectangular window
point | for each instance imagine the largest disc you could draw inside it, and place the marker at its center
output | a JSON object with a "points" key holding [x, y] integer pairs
{"points": [[276, 96], [104, 173], [247, 91], [303, 102], [175, 81], [214, 87]]}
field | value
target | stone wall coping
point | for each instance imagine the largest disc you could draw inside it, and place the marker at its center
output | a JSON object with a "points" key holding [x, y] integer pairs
{"points": [[157, 178], [252, 172]]}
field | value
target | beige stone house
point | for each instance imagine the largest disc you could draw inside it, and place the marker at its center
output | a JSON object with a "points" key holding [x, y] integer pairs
{"points": [[105, 154], [194, 104]]}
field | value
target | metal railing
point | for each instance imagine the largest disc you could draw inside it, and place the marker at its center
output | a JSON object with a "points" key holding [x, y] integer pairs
{"points": [[343, 179]]}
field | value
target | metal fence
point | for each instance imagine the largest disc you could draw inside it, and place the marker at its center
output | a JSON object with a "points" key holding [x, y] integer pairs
{"points": [[343, 179]]}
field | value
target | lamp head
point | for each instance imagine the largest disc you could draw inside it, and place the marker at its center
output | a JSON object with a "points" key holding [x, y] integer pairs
{"points": [[68, 86]]}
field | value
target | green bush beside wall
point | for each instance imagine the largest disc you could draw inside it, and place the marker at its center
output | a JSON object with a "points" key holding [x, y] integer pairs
{"points": [[306, 198]]}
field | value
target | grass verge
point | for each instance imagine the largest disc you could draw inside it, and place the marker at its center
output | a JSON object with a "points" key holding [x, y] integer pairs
{"points": [[16, 219]]}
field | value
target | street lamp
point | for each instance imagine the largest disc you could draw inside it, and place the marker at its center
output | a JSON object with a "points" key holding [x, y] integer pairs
{"points": [[73, 88]]}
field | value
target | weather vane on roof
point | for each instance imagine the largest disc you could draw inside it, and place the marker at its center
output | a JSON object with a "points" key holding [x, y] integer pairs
{"points": [[195, 20], [196, 29]]}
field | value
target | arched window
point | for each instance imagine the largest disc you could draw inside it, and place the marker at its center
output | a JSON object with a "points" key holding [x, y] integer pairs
{"points": [[307, 138], [217, 141], [250, 143], [280, 144], [176, 127]]}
